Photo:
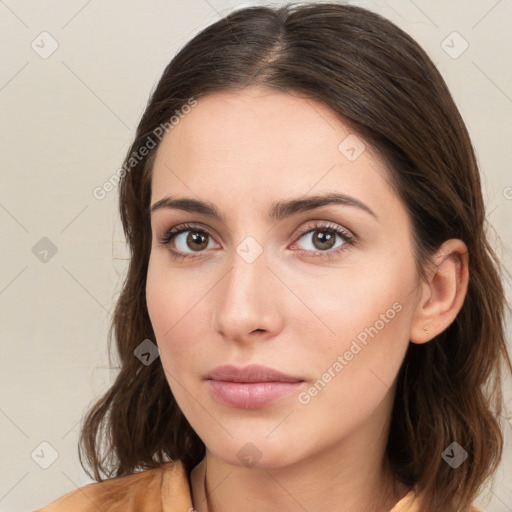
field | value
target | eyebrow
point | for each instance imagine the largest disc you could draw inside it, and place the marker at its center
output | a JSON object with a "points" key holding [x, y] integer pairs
{"points": [[278, 210]]}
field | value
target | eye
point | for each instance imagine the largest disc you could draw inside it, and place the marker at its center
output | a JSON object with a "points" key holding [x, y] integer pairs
{"points": [[321, 239], [197, 239]]}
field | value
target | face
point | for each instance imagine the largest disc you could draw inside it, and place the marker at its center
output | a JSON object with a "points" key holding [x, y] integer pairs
{"points": [[322, 291]]}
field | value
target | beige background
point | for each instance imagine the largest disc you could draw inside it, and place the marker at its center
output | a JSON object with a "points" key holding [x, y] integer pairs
{"points": [[67, 121]]}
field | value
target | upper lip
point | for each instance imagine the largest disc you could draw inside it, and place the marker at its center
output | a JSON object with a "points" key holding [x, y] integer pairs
{"points": [[251, 373]]}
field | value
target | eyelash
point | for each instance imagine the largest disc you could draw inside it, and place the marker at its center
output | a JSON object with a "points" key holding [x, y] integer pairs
{"points": [[349, 239]]}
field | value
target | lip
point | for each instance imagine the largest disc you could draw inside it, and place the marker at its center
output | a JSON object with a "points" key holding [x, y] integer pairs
{"points": [[250, 387], [251, 373]]}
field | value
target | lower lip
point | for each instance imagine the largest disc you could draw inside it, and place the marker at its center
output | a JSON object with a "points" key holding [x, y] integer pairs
{"points": [[250, 395]]}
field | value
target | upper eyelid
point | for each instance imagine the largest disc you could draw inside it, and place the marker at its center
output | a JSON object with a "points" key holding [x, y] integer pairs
{"points": [[299, 232]]}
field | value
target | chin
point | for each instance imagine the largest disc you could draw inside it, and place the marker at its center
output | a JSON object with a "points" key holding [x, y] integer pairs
{"points": [[259, 453]]}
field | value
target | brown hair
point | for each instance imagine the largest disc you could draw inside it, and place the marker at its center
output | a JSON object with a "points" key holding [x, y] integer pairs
{"points": [[386, 88]]}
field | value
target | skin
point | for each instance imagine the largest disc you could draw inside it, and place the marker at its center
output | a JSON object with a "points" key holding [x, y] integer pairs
{"points": [[290, 311]]}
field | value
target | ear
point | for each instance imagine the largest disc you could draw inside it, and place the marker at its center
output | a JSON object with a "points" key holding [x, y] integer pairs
{"points": [[441, 298]]}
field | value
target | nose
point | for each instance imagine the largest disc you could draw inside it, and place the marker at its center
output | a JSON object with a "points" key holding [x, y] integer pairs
{"points": [[248, 301]]}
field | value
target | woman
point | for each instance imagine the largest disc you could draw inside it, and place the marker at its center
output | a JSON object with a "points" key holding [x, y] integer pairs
{"points": [[308, 253]]}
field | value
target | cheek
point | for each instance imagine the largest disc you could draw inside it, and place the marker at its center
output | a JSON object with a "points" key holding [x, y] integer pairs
{"points": [[355, 299], [356, 368], [163, 310], [364, 315], [175, 337], [158, 299], [174, 308]]}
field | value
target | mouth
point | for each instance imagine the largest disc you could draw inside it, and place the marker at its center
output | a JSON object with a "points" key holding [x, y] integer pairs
{"points": [[251, 373], [250, 387]]}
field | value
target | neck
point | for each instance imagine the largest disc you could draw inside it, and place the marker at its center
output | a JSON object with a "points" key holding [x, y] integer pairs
{"points": [[344, 478]]}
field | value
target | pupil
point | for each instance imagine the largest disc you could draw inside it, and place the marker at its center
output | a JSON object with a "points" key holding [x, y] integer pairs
{"points": [[324, 239], [195, 238]]}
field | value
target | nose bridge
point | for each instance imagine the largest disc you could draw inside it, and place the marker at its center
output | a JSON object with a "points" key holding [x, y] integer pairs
{"points": [[244, 304]]}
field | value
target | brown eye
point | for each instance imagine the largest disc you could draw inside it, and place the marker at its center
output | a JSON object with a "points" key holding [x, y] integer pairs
{"points": [[186, 240], [322, 240], [196, 241]]}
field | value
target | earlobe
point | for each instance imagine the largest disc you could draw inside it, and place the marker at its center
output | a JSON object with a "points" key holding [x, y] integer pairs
{"points": [[443, 295]]}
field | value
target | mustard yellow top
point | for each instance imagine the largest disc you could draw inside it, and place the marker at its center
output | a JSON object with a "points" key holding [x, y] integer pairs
{"points": [[165, 489]]}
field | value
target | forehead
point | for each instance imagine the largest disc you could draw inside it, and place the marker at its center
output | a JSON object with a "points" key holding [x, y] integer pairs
{"points": [[261, 145]]}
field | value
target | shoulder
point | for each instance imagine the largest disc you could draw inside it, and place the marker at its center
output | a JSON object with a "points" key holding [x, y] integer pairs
{"points": [[137, 492]]}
